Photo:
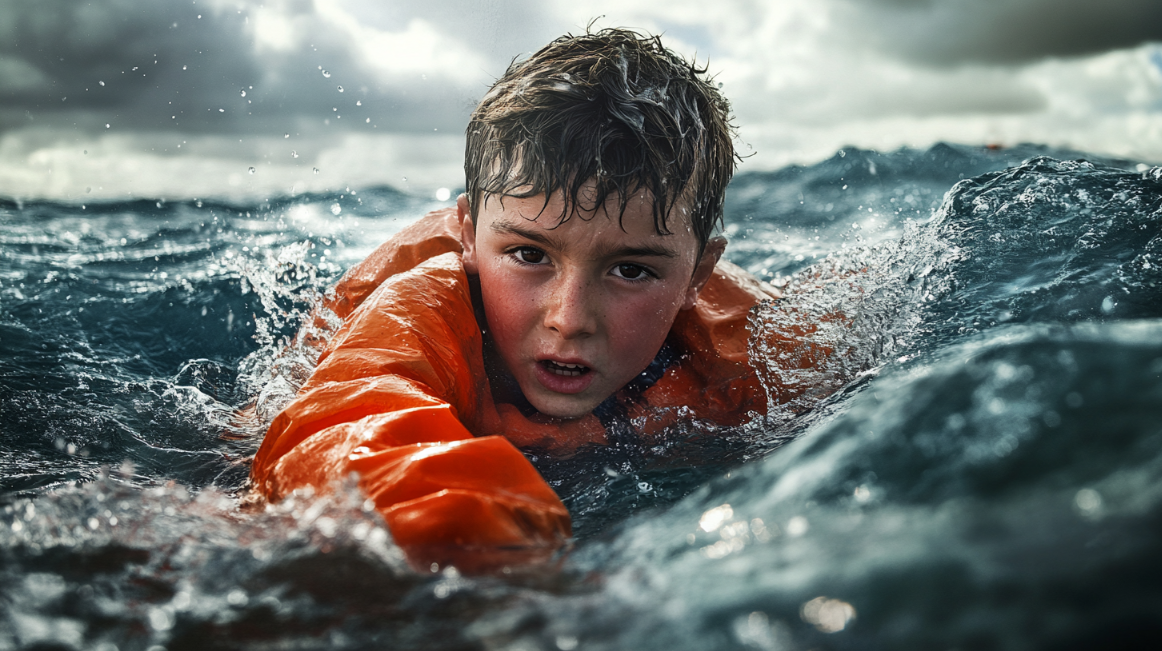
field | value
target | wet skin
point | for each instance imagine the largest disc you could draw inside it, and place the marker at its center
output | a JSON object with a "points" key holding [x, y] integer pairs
{"points": [[578, 309]]}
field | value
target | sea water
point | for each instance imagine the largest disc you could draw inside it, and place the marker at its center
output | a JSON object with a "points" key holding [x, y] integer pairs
{"points": [[977, 463]]}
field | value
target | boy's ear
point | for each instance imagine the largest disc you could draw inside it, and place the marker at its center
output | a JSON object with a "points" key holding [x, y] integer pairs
{"points": [[467, 234], [703, 270]]}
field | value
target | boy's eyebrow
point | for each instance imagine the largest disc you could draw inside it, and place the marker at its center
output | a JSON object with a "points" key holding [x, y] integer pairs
{"points": [[650, 250], [504, 228], [638, 251]]}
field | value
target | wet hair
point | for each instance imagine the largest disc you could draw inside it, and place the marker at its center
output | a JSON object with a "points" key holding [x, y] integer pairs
{"points": [[614, 106]]}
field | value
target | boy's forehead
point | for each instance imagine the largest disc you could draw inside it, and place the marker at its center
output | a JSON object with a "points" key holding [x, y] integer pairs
{"points": [[602, 232], [637, 215]]}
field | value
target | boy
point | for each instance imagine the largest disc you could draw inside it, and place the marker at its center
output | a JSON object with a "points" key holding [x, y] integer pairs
{"points": [[574, 296]]}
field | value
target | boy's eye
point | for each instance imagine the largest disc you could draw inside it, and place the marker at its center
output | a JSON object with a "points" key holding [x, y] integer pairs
{"points": [[529, 255], [630, 271]]}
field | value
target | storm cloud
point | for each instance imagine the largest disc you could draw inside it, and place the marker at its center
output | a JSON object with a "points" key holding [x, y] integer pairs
{"points": [[1000, 32], [218, 67]]}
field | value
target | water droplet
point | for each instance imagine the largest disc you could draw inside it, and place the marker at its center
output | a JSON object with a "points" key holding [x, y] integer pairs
{"points": [[160, 619], [244, 92], [106, 125], [712, 519], [827, 615], [294, 154], [358, 102], [101, 82], [221, 110], [251, 170], [340, 89], [443, 194], [326, 74], [336, 209], [237, 597], [1088, 501], [797, 526], [183, 67], [862, 494], [316, 170], [286, 135]]}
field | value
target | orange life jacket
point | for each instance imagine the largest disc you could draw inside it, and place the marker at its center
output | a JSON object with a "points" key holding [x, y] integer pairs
{"points": [[400, 397]]}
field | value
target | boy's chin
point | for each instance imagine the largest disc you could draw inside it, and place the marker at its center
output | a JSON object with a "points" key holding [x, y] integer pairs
{"points": [[559, 408]]}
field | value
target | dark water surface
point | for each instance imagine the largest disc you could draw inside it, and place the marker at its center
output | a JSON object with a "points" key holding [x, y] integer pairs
{"points": [[977, 466]]}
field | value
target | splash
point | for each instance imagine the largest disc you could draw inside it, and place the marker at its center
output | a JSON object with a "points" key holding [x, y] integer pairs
{"points": [[844, 318], [107, 563], [1046, 240], [290, 291]]}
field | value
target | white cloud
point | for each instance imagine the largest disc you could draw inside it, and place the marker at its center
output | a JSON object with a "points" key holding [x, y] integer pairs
{"points": [[38, 165], [418, 49], [276, 30]]}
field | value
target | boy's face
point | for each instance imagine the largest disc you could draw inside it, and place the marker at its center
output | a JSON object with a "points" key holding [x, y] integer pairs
{"points": [[578, 309]]}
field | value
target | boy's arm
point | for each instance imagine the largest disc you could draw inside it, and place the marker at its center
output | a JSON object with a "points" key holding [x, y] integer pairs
{"points": [[389, 400]]}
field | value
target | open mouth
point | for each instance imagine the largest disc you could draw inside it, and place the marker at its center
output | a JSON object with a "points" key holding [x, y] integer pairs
{"points": [[566, 370]]}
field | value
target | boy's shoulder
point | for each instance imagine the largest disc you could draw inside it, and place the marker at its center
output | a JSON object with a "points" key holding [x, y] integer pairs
{"points": [[435, 233]]}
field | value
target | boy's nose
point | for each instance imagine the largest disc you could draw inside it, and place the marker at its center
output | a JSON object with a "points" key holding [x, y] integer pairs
{"points": [[570, 311]]}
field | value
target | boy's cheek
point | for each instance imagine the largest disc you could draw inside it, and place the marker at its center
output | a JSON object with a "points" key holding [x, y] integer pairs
{"points": [[505, 300], [509, 309]]}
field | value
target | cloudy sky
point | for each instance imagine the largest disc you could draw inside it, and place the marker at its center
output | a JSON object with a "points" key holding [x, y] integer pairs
{"points": [[104, 99]]}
